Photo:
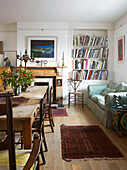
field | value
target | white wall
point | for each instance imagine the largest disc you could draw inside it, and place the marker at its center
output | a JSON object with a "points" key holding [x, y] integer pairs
{"points": [[8, 35], [64, 33], [59, 30], [120, 68]]}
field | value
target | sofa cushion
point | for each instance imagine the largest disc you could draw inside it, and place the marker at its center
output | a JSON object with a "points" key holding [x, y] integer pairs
{"points": [[101, 103], [107, 90], [96, 97], [123, 87], [96, 89], [114, 85]]}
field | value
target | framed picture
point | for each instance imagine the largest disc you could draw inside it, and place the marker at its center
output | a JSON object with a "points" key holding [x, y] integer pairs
{"points": [[121, 44], [10, 58], [42, 48], [1, 47], [59, 82]]}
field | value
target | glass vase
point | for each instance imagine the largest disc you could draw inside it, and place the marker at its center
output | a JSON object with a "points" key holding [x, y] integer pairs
{"points": [[17, 91]]}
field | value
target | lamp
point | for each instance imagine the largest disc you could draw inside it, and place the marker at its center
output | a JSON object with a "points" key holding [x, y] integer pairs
{"points": [[25, 58]]}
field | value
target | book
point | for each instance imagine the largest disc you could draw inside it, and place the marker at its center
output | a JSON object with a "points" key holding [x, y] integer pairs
{"points": [[89, 74], [100, 64], [76, 64], [100, 75], [84, 64], [87, 39], [80, 53], [84, 40], [73, 53], [76, 54], [86, 52], [96, 75], [94, 38]]}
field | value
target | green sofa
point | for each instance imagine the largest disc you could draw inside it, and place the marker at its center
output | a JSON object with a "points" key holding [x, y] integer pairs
{"points": [[101, 99]]}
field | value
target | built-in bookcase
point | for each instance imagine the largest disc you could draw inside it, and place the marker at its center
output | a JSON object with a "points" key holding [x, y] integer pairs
{"points": [[90, 55]]}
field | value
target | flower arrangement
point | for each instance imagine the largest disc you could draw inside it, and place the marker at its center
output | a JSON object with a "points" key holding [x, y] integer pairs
{"points": [[22, 78], [27, 78]]}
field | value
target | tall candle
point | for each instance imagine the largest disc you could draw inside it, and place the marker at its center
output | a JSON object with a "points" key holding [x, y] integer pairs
{"points": [[20, 54]]}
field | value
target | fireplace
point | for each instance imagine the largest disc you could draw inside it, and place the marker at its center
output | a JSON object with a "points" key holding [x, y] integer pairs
{"points": [[53, 74], [46, 81]]}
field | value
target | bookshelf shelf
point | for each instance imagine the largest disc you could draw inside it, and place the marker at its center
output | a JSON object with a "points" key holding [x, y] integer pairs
{"points": [[90, 57], [93, 47]]}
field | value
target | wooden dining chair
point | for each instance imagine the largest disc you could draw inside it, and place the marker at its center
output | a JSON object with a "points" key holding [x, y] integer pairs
{"points": [[20, 137], [3, 133], [9, 157], [38, 126], [49, 116]]}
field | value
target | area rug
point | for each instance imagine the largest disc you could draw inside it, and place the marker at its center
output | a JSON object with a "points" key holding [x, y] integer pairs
{"points": [[59, 112], [86, 142]]}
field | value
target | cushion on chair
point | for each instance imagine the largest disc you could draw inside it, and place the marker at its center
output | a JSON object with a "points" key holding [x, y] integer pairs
{"points": [[21, 159]]}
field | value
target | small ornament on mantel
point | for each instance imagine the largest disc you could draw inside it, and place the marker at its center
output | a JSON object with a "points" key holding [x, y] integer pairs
{"points": [[63, 59]]}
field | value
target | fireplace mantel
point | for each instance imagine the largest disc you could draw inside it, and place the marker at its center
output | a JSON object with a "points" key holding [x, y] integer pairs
{"points": [[50, 71]]}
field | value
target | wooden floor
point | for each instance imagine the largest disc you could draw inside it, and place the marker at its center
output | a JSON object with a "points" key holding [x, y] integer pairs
{"points": [[79, 116]]}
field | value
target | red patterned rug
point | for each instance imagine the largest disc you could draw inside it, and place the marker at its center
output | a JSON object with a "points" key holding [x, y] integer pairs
{"points": [[59, 112], [87, 142]]}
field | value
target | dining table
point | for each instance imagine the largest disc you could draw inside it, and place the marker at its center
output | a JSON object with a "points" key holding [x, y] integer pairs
{"points": [[25, 111]]}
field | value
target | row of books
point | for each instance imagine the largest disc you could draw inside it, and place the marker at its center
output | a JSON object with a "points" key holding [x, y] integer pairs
{"points": [[90, 64], [90, 53], [90, 75], [84, 40]]}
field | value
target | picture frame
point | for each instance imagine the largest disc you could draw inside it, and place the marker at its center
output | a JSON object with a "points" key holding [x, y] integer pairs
{"points": [[10, 58], [59, 82], [1, 47], [42, 48], [121, 48]]}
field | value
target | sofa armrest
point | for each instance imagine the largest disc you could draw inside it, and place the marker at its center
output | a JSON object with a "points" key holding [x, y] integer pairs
{"points": [[96, 89]]}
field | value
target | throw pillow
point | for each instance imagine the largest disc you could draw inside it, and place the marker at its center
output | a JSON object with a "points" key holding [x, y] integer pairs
{"points": [[114, 85], [107, 90]]}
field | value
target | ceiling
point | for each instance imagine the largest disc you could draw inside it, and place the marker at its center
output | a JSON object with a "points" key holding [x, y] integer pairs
{"points": [[12, 11]]}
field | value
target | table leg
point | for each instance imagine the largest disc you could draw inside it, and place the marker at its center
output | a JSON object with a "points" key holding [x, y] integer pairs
{"points": [[69, 100], [27, 134], [82, 100], [75, 98]]}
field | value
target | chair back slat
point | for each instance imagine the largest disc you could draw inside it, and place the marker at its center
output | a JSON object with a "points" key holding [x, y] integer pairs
{"points": [[50, 100], [10, 143]]}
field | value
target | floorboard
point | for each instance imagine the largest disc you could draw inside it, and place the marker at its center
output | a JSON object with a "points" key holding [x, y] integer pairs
{"points": [[79, 116]]}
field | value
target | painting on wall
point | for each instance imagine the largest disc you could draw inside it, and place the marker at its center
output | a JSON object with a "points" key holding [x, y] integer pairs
{"points": [[121, 41], [42, 48]]}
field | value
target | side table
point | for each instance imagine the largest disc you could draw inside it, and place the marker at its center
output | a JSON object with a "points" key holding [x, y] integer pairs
{"points": [[119, 122]]}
